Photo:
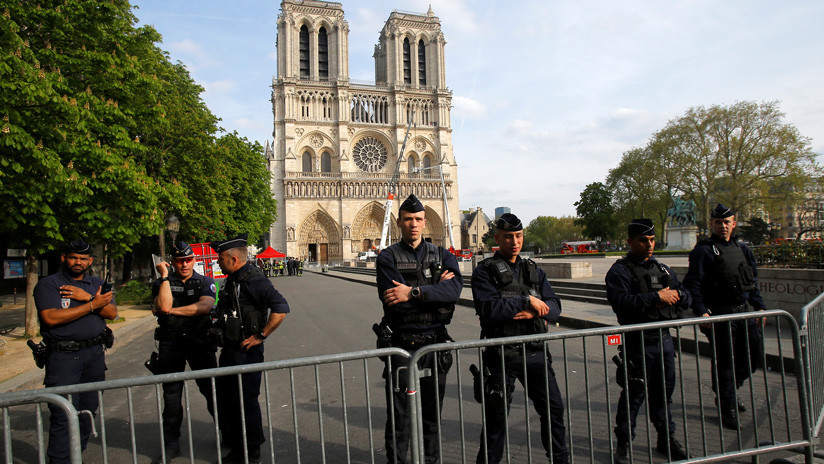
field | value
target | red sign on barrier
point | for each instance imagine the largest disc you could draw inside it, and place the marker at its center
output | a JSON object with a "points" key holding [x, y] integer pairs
{"points": [[614, 340]]}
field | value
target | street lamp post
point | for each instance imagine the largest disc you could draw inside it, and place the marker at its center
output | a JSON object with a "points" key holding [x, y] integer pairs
{"points": [[173, 226], [445, 202]]}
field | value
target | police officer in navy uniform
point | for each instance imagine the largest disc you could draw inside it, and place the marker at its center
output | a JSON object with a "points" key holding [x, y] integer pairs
{"points": [[182, 302], [513, 297], [722, 279], [641, 289], [419, 284], [249, 310], [73, 313]]}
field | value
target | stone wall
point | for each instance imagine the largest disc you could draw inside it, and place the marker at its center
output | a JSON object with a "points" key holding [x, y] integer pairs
{"points": [[787, 289]]}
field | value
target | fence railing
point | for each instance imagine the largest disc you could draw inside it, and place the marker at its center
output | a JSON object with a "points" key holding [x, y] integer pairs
{"points": [[321, 409], [812, 343]]}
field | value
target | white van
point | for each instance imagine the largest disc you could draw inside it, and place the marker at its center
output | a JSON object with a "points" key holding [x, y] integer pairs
{"points": [[367, 256]]}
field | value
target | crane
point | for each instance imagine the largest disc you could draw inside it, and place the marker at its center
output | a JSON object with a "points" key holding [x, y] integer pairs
{"points": [[393, 187]]}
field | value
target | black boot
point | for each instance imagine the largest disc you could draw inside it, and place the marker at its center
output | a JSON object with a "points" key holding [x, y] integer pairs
{"points": [[674, 450], [621, 455], [729, 418]]}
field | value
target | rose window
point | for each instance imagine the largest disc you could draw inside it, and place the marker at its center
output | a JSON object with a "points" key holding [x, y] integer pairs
{"points": [[369, 154]]}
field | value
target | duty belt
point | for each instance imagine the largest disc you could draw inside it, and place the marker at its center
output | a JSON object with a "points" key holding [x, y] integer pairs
{"points": [[74, 345], [413, 341], [741, 308]]}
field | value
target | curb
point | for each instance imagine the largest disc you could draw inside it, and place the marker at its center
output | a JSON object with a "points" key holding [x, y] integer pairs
{"points": [[774, 362]]}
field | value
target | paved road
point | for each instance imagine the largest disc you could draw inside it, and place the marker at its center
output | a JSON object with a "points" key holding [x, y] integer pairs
{"points": [[346, 417]]}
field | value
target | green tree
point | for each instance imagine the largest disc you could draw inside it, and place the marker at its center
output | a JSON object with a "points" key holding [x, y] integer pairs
{"points": [[756, 232], [733, 154], [638, 187], [67, 152], [596, 213], [547, 233]]}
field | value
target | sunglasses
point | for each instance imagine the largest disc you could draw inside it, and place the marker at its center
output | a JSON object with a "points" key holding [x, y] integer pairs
{"points": [[184, 260]]}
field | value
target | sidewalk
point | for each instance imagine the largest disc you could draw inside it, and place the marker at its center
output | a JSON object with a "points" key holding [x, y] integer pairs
{"points": [[581, 315], [19, 371]]}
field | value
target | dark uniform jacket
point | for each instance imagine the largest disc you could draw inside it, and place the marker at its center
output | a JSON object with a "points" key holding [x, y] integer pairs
{"points": [[711, 292], [496, 309], [434, 293], [627, 295]]}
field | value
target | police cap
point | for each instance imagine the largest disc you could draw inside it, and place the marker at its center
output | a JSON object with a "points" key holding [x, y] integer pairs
{"points": [[411, 205], [79, 247], [181, 250], [721, 212], [508, 222], [640, 227], [236, 242]]}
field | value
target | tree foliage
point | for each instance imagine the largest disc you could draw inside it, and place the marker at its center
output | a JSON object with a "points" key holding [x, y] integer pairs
{"points": [[638, 187], [103, 137], [743, 155], [545, 234], [596, 213]]}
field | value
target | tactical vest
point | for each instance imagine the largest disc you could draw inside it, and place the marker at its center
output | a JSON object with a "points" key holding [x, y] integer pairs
{"points": [[732, 275], [183, 294], [527, 284], [415, 274], [240, 320], [648, 279]]}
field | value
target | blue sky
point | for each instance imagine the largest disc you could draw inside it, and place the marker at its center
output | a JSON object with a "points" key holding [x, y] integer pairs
{"points": [[548, 93]]}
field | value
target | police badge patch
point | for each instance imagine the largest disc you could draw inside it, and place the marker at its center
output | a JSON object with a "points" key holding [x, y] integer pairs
{"points": [[213, 288], [64, 302]]}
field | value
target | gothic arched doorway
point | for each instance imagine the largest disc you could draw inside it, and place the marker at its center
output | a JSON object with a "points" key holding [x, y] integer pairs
{"points": [[319, 239], [368, 227], [434, 231]]}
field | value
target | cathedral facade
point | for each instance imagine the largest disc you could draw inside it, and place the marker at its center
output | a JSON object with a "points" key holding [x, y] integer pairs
{"points": [[337, 143]]}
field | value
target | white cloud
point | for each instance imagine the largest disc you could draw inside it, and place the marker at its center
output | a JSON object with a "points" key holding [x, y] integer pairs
{"points": [[193, 54], [468, 108]]}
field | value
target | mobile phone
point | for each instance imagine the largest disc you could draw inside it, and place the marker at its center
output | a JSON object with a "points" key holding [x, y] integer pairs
{"points": [[106, 288]]}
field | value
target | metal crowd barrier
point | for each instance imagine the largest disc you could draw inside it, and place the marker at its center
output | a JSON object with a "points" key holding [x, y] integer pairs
{"points": [[314, 409], [321, 409], [812, 343], [776, 418]]}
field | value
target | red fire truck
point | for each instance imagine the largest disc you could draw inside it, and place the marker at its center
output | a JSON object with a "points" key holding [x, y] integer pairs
{"points": [[585, 246]]}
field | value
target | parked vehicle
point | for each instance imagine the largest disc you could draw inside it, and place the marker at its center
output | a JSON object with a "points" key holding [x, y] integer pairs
{"points": [[585, 246], [367, 256]]}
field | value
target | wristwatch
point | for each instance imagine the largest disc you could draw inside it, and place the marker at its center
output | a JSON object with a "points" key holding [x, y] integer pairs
{"points": [[416, 292], [163, 279], [260, 335]]}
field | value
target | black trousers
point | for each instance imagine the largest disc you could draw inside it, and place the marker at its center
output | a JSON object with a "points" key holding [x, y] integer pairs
{"points": [[69, 368], [228, 400], [172, 357], [396, 434], [658, 386], [539, 380], [738, 353]]}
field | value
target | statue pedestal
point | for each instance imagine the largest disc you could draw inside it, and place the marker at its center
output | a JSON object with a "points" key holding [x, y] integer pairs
{"points": [[680, 237]]}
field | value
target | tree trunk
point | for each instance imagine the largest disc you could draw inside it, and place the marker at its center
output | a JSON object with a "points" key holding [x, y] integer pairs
{"points": [[161, 239], [32, 324], [127, 266]]}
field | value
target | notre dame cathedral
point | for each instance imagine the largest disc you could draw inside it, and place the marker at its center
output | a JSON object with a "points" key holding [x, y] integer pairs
{"points": [[337, 143]]}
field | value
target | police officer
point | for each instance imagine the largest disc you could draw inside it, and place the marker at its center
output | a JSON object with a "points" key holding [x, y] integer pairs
{"points": [[641, 289], [73, 312], [182, 301], [300, 267], [722, 279], [249, 310], [419, 284], [513, 297]]}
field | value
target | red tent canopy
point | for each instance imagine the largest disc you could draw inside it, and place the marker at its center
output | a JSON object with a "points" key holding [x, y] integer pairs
{"points": [[271, 253]]}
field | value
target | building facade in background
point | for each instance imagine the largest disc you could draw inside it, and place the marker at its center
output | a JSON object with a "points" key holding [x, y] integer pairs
{"points": [[337, 142], [474, 226]]}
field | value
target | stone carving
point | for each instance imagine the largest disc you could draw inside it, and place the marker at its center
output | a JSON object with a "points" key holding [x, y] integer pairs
{"points": [[290, 234], [369, 154], [299, 131], [316, 141], [333, 132], [682, 212], [420, 144], [347, 232], [351, 131]]}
